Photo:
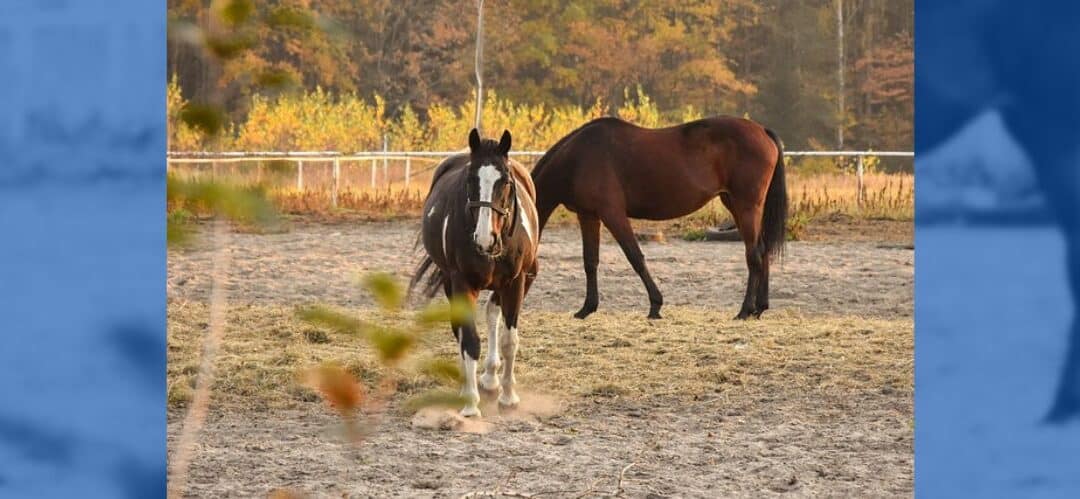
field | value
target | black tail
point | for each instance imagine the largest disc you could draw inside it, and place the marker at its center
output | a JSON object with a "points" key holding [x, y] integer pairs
{"points": [[774, 219], [435, 278]]}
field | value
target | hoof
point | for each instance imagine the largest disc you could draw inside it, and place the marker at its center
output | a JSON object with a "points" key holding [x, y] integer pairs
{"points": [[490, 382], [489, 393], [654, 315], [742, 316], [509, 403], [470, 412], [585, 311]]}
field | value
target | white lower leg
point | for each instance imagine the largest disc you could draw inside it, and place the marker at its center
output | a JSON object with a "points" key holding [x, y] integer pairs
{"points": [[469, 391], [490, 379], [508, 345]]}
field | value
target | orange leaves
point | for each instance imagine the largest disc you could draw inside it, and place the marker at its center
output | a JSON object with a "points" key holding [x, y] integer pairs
{"points": [[391, 340], [337, 387]]}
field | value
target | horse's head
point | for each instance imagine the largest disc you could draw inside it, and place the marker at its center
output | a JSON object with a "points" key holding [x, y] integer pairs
{"points": [[490, 193]]}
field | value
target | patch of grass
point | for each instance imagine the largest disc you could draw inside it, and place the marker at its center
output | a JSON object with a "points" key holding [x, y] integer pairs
{"points": [[786, 354], [608, 390], [317, 336], [694, 234]]}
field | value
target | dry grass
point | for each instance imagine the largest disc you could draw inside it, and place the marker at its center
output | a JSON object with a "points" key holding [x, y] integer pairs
{"points": [[887, 196], [814, 198], [691, 353]]}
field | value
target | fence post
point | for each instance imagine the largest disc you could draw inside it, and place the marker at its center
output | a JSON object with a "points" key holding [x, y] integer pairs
{"points": [[408, 169], [859, 181], [385, 165], [337, 175], [374, 168], [300, 175]]}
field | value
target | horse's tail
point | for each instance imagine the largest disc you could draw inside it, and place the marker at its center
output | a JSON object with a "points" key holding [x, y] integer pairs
{"points": [[774, 218], [426, 268], [426, 281]]}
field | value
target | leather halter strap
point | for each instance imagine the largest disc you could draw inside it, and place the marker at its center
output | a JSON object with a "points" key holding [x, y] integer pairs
{"points": [[487, 204]]}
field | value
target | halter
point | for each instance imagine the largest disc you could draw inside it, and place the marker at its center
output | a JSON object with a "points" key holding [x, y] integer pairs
{"points": [[487, 204], [502, 211]]}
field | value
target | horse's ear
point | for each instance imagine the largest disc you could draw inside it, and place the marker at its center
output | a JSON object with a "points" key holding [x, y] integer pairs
{"points": [[504, 143], [474, 140]]}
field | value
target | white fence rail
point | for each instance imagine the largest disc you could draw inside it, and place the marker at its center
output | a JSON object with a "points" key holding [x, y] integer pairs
{"points": [[431, 158]]}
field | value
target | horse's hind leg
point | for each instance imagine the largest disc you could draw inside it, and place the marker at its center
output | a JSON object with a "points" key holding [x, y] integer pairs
{"points": [[1067, 400], [590, 252], [748, 221], [620, 227], [489, 381]]}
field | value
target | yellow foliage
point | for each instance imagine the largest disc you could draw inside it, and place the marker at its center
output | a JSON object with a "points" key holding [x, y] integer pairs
{"points": [[320, 121]]}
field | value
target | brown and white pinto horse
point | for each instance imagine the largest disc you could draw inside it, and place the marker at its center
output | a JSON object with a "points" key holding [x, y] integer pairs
{"points": [[480, 233], [609, 171]]}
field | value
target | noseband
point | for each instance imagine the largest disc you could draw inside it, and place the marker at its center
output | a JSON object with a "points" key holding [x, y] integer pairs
{"points": [[503, 212], [487, 204]]}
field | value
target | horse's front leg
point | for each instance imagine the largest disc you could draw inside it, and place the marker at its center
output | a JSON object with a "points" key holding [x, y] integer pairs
{"points": [[469, 350], [489, 381], [512, 298], [1067, 399]]}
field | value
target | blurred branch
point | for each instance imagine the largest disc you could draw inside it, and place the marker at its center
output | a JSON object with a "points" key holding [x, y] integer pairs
{"points": [[479, 63], [200, 404]]}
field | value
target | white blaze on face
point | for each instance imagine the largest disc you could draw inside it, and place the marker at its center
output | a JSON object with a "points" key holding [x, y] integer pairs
{"points": [[488, 176]]}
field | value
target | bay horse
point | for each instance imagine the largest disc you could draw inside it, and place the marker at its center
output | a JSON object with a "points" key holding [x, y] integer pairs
{"points": [[609, 171], [1027, 78], [480, 232]]}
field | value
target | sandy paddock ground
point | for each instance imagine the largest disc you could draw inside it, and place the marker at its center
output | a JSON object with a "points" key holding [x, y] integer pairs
{"points": [[814, 399]]}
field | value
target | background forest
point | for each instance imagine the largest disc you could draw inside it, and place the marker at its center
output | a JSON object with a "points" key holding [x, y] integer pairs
{"points": [[342, 74]]}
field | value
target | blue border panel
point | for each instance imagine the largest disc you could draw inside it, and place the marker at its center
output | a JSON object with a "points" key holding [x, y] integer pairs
{"points": [[997, 347], [82, 248]]}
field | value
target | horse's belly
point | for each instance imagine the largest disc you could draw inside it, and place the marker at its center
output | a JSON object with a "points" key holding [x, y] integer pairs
{"points": [[666, 209]]}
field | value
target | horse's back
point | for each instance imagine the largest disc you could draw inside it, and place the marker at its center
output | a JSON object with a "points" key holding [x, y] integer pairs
{"points": [[455, 161]]}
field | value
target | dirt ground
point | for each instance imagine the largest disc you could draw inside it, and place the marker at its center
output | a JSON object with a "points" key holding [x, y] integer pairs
{"points": [[814, 399]]}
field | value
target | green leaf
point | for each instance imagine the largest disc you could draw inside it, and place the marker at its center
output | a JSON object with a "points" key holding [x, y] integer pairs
{"points": [[385, 289], [390, 344], [443, 370], [276, 79], [457, 310], [338, 322], [205, 118], [177, 233], [229, 46], [237, 11], [290, 17]]}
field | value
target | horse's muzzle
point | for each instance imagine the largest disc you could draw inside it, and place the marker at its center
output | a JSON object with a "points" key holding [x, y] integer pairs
{"points": [[491, 252]]}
